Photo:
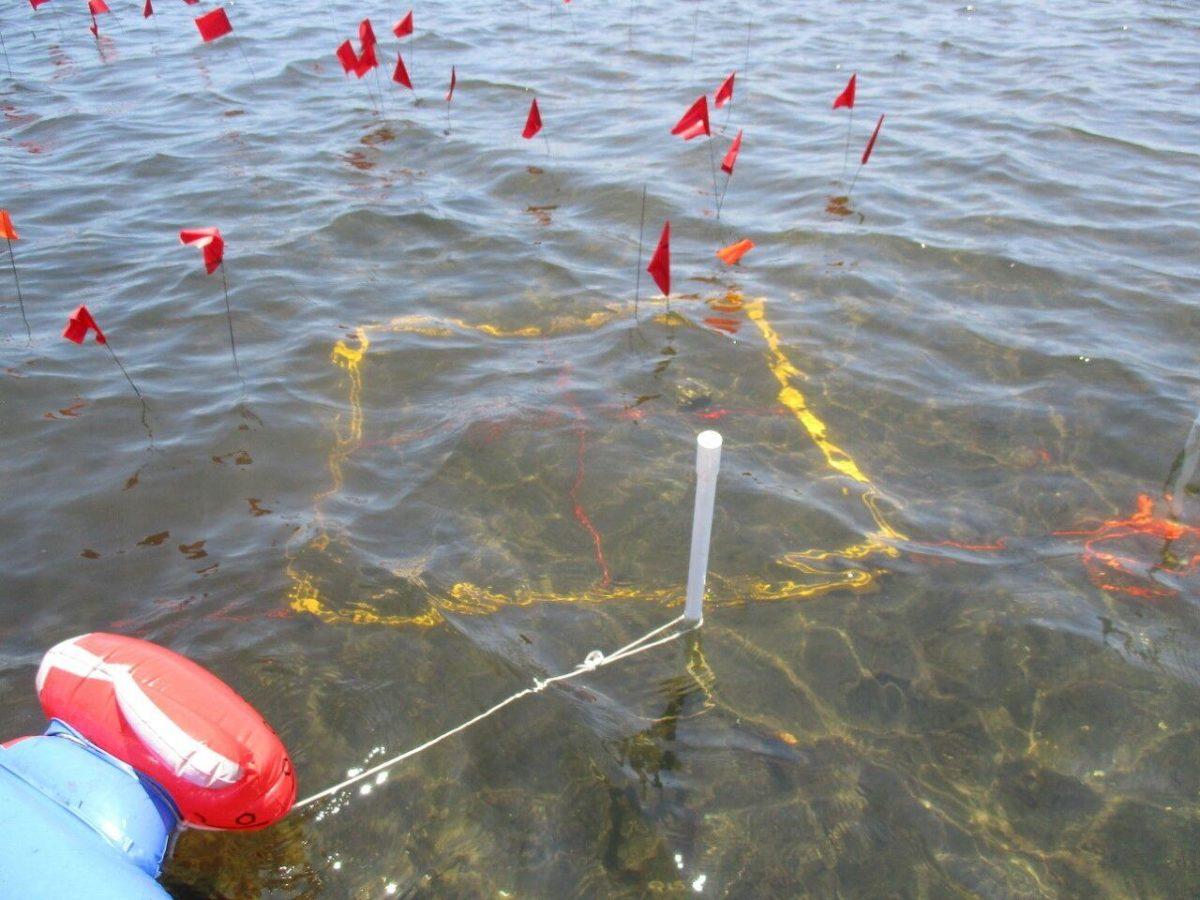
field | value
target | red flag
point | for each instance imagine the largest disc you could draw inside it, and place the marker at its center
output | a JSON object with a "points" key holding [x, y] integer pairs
{"points": [[347, 57], [213, 25], [79, 323], [36, 3], [366, 34], [208, 240], [191, 2], [660, 262], [147, 10], [366, 61], [400, 76], [533, 124], [453, 81], [731, 156], [846, 97], [695, 121], [871, 143], [725, 92], [7, 230], [403, 28], [96, 7]]}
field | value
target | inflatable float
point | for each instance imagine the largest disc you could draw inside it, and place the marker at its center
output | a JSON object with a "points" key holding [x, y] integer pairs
{"points": [[141, 742]]}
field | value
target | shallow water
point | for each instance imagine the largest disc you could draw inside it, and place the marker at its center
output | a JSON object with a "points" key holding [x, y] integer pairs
{"points": [[946, 653]]}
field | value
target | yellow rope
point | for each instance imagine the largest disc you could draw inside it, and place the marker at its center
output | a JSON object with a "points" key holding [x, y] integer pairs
{"points": [[465, 598], [838, 459]]}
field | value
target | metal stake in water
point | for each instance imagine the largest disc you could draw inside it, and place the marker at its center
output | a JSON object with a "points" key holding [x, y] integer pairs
{"points": [[708, 462]]}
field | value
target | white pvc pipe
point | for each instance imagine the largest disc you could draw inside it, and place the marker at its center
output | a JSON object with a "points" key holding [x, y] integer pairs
{"points": [[708, 462], [1187, 468]]}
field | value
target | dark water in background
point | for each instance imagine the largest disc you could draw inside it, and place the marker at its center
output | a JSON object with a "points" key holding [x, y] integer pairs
{"points": [[910, 684]]}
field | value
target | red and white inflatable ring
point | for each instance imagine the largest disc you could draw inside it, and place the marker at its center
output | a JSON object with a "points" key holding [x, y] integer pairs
{"points": [[175, 721]]}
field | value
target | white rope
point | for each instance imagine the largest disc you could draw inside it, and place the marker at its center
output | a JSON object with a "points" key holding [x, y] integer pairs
{"points": [[593, 661]]}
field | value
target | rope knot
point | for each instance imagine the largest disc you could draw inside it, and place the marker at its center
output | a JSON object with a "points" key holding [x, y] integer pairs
{"points": [[592, 660]]}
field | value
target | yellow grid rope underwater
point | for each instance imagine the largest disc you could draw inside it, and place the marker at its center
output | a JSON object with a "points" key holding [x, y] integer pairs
{"points": [[465, 598]]}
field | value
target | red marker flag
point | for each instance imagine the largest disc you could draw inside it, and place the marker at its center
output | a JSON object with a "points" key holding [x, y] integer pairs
{"points": [[96, 7], [9, 233], [533, 124], [347, 57], [213, 25], [7, 230], [660, 262], [400, 76], [79, 323], [846, 97], [148, 10], [191, 2], [694, 122], [208, 240], [725, 92], [403, 28], [732, 155], [366, 61], [871, 143], [453, 81], [36, 3], [366, 34]]}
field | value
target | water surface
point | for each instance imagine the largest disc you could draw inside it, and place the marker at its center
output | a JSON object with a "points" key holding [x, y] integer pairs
{"points": [[953, 644]]}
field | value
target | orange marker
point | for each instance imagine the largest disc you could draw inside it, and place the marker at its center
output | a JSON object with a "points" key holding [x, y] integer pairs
{"points": [[9, 233], [734, 252]]}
